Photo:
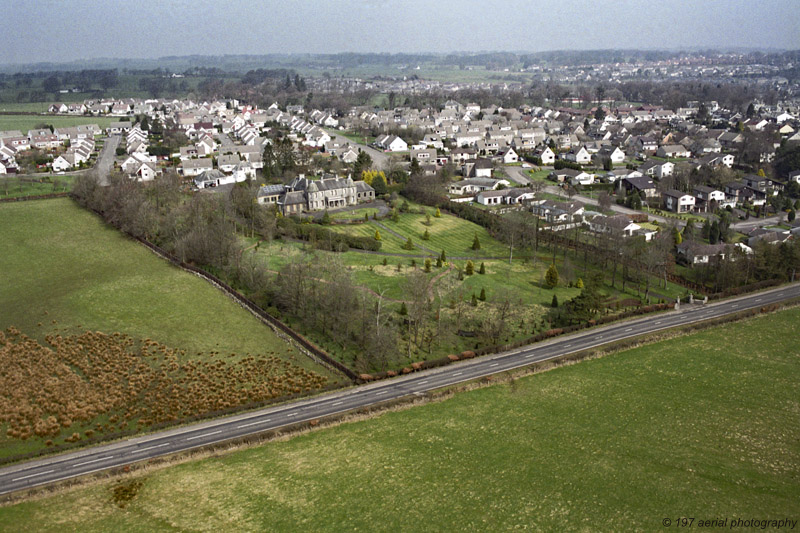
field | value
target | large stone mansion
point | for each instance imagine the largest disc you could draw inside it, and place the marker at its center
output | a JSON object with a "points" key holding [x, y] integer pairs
{"points": [[304, 194]]}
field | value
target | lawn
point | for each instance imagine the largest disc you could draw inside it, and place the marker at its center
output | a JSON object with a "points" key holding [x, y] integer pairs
{"points": [[29, 122], [65, 272], [701, 426]]}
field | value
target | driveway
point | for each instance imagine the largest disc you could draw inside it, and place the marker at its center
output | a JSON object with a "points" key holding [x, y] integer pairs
{"points": [[105, 161]]}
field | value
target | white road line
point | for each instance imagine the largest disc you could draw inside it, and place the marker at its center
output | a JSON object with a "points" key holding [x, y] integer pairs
{"points": [[629, 329], [567, 345], [529, 355], [496, 364], [151, 447], [381, 392], [422, 382], [337, 403], [759, 299], [92, 461], [657, 323], [205, 435], [254, 423], [457, 374], [33, 475], [290, 414]]}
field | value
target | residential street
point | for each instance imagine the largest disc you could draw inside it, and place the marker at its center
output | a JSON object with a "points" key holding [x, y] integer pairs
{"points": [[379, 158]]}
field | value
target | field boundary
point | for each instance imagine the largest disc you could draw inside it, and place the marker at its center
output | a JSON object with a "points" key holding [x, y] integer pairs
{"points": [[35, 197]]}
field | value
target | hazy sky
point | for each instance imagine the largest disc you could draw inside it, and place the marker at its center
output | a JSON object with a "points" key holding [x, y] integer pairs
{"points": [[65, 30]]}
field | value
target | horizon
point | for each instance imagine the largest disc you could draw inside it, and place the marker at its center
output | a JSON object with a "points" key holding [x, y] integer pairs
{"points": [[151, 31]]}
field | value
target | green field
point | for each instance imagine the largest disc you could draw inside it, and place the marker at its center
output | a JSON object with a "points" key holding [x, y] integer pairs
{"points": [[65, 272], [701, 426], [29, 122], [14, 187]]}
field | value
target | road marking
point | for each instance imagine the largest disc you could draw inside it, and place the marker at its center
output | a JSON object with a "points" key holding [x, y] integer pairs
{"points": [[629, 329], [151, 447], [599, 337], [337, 403], [422, 382], [381, 392], [529, 355], [496, 364], [734, 306], [254, 423], [759, 299], [567, 345], [457, 374], [204, 435], [33, 475], [290, 414], [92, 461], [657, 323]]}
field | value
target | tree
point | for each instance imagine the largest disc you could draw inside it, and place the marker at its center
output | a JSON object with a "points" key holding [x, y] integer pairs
{"points": [[554, 302], [474, 300], [469, 269], [428, 264], [363, 162], [326, 219], [476, 243], [51, 84], [438, 213], [408, 245], [713, 234], [377, 235], [678, 236], [579, 284], [791, 216], [426, 236], [551, 276], [482, 296], [482, 270], [379, 184], [403, 309], [443, 257]]}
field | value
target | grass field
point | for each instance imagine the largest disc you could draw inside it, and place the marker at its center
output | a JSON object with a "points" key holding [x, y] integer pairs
{"points": [[14, 187], [702, 426], [65, 272], [29, 122]]}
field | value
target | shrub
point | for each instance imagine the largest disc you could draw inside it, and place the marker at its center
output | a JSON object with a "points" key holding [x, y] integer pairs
{"points": [[554, 303], [476, 243], [482, 270], [408, 245], [426, 236], [428, 265], [403, 309], [474, 301], [438, 213], [551, 277], [378, 236], [452, 357], [482, 296], [469, 269]]}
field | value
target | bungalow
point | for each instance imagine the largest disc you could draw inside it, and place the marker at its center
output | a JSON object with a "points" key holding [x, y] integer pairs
{"points": [[673, 150], [146, 171], [213, 178], [506, 196], [195, 167], [476, 185], [677, 201], [226, 163], [508, 156], [63, 162], [716, 160], [118, 128], [547, 156], [617, 224], [555, 212], [424, 156], [694, 253], [571, 175]]}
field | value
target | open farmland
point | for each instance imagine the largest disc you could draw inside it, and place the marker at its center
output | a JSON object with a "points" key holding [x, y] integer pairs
{"points": [[703, 425], [78, 294]]}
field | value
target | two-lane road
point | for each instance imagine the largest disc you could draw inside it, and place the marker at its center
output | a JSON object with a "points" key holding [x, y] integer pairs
{"points": [[58, 468]]}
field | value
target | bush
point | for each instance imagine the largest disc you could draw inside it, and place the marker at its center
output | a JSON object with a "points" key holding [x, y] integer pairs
{"points": [[482, 296], [554, 303], [470, 268], [426, 236], [408, 245], [482, 269], [476, 244]]}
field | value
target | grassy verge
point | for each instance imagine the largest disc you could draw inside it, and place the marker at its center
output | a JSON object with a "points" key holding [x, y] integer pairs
{"points": [[14, 187], [704, 426], [65, 272]]}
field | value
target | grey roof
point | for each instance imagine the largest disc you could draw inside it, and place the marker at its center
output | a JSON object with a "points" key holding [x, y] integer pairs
{"points": [[270, 190]]}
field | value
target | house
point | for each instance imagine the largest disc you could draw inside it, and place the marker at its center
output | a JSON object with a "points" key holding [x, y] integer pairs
{"points": [[118, 128], [556, 212], [508, 156], [212, 178], [609, 152], [694, 253], [646, 144], [195, 167], [673, 150], [658, 169], [424, 156], [303, 194], [547, 156], [794, 176], [506, 196], [644, 186], [716, 160], [480, 168], [476, 185], [580, 156], [391, 143], [572, 176], [708, 199], [63, 162], [677, 201], [621, 173], [146, 171], [226, 163], [617, 224]]}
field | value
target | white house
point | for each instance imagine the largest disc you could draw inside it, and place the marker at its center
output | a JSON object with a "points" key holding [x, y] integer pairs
{"points": [[195, 167], [391, 143], [508, 156], [673, 150], [547, 156], [677, 201], [581, 156]]}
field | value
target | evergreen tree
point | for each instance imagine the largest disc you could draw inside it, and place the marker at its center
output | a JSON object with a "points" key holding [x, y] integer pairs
{"points": [[428, 264], [326, 218], [551, 276], [476, 244], [554, 303], [579, 283], [268, 159], [443, 257], [378, 236], [385, 261], [403, 309], [438, 213], [469, 269], [409, 244], [438, 262], [363, 162], [426, 236], [482, 270], [474, 300], [379, 184], [482, 296], [791, 216]]}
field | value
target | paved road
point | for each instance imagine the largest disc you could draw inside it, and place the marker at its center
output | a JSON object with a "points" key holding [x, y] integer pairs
{"points": [[379, 158], [105, 161], [58, 468]]}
